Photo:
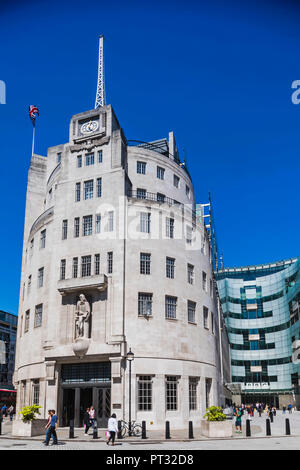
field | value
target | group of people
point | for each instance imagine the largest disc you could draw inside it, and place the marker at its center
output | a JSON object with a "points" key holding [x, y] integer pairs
{"points": [[112, 427], [239, 411], [4, 412], [51, 427]]}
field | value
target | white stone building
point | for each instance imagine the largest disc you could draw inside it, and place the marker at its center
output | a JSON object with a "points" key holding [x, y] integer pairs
{"points": [[116, 223]]}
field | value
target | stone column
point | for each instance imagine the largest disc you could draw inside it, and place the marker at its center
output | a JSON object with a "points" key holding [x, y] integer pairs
{"points": [[77, 407], [159, 406]]}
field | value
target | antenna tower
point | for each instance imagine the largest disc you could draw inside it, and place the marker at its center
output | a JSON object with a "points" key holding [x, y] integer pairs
{"points": [[100, 95]]}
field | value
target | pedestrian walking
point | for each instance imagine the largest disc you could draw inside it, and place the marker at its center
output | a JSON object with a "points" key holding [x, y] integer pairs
{"points": [[92, 416], [86, 420], [4, 410], [11, 411], [283, 410], [112, 428], [52, 429], [47, 425], [290, 408], [238, 420]]}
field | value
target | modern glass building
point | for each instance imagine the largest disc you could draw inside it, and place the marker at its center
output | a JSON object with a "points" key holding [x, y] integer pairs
{"points": [[8, 332], [261, 306]]}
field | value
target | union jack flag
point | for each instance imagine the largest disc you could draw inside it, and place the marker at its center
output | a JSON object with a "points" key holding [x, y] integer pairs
{"points": [[33, 112]]}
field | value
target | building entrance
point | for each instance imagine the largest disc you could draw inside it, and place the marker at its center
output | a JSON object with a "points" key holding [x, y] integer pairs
{"points": [[265, 398]]}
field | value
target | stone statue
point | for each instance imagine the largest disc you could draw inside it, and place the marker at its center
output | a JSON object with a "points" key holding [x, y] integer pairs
{"points": [[83, 312]]}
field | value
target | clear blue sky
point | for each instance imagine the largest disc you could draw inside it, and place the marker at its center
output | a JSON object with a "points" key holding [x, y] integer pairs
{"points": [[217, 73]]}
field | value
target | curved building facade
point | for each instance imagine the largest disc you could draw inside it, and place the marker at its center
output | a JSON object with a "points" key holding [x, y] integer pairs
{"points": [[261, 309], [115, 258]]}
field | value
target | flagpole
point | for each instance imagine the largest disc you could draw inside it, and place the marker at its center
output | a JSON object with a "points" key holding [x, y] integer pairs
{"points": [[33, 137]]}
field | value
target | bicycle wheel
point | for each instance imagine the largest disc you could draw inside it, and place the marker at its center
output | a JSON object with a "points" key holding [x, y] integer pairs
{"points": [[137, 430]]}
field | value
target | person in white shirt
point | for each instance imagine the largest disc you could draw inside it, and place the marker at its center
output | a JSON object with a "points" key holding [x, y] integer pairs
{"points": [[112, 429]]}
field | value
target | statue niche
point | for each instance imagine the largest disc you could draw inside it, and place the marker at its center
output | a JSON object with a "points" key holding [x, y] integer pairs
{"points": [[82, 318]]}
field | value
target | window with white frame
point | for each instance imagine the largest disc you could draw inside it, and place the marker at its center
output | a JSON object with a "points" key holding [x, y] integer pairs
{"points": [[99, 187], [100, 156], [170, 267], [145, 222], [193, 383], [170, 307], [160, 197], [43, 239], [171, 393], [86, 265], [191, 307], [141, 168], [145, 393], [35, 392], [110, 262], [205, 317], [169, 227], [145, 304], [204, 281], [189, 234], [110, 221], [98, 223], [141, 193], [145, 261], [64, 229], [27, 319], [87, 225], [160, 173], [176, 180], [38, 315], [75, 267], [89, 159], [77, 191], [62, 269], [88, 189], [190, 273], [97, 264], [76, 227], [40, 277], [79, 161]]}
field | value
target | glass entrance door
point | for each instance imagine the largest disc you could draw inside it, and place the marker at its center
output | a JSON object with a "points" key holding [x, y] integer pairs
{"points": [[103, 407], [68, 406], [86, 400]]}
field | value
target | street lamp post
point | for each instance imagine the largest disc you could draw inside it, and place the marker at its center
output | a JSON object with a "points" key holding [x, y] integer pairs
{"points": [[130, 358]]}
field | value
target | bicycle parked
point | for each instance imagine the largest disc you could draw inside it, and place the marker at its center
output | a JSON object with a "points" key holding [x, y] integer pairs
{"points": [[136, 428]]}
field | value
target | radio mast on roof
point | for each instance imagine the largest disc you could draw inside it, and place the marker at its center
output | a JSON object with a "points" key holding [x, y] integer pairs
{"points": [[100, 95]]}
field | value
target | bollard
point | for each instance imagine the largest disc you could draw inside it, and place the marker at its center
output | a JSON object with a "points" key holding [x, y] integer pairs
{"points": [[144, 430], [191, 434], [168, 436], [271, 416], [71, 430], [268, 427], [95, 430], [287, 427], [248, 429], [119, 430]]}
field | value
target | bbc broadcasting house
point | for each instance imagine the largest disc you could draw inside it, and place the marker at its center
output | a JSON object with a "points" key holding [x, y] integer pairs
{"points": [[261, 306], [117, 261]]}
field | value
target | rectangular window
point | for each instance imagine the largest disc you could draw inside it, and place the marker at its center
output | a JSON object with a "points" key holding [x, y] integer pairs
{"points": [[204, 281], [110, 221], [170, 307], [26, 323], [189, 235], [190, 274], [145, 222], [99, 187], [76, 227], [89, 159], [64, 229], [141, 193], [87, 225], [100, 156], [205, 317], [62, 269], [43, 239], [145, 393], [191, 306], [160, 197], [160, 173], [29, 283], [212, 323], [38, 315], [193, 382], [141, 168], [79, 161], [86, 265], [36, 392], [75, 267], [170, 267], [145, 304], [171, 393], [98, 223], [145, 260], [77, 192], [88, 189], [110, 262], [169, 227], [176, 180], [40, 277], [58, 158], [97, 264]]}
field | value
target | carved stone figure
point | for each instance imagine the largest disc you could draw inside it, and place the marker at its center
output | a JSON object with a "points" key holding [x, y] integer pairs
{"points": [[83, 312]]}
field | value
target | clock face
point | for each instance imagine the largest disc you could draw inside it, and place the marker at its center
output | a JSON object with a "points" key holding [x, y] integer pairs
{"points": [[89, 127]]}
